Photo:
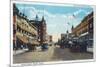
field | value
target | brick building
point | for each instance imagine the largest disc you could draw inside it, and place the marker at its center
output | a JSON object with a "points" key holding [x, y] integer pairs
{"points": [[41, 28]]}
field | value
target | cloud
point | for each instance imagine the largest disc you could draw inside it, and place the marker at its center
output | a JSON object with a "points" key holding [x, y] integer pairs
{"points": [[81, 11], [31, 12], [56, 23], [78, 11]]}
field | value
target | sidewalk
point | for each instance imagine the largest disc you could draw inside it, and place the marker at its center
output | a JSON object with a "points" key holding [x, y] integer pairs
{"points": [[19, 51]]}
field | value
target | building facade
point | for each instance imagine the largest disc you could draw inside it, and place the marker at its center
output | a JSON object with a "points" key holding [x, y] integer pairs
{"points": [[41, 28], [84, 31], [24, 33], [49, 39]]}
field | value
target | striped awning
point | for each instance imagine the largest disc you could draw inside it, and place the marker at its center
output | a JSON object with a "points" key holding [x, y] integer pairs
{"points": [[35, 42], [24, 39], [33, 31]]}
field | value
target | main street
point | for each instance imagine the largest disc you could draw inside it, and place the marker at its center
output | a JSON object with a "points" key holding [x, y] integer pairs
{"points": [[54, 53], [34, 56]]}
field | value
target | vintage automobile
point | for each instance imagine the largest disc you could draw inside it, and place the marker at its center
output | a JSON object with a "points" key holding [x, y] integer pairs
{"points": [[44, 46], [74, 47]]}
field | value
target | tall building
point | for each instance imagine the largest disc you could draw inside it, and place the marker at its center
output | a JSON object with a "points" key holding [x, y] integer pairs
{"points": [[42, 31], [63, 36], [41, 28]]}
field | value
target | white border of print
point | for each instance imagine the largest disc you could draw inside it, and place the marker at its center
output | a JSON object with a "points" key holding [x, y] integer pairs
{"points": [[53, 62]]}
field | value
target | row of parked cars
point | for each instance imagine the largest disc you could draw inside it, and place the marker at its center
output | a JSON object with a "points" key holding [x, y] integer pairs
{"points": [[82, 46], [77, 46]]}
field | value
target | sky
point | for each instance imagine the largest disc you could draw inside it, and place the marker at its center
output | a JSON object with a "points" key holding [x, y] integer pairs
{"points": [[59, 19]]}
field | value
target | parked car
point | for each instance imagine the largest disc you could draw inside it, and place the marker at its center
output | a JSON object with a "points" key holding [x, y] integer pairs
{"points": [[44, 46], [75, 47]]}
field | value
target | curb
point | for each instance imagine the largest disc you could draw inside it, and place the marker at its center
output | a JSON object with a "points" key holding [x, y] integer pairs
{"points": [[17, 52]]}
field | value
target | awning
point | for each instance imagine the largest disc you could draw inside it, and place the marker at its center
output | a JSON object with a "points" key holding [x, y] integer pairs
{"points": [[83, 34], [24, 39], [33, 31], [35, 42]]}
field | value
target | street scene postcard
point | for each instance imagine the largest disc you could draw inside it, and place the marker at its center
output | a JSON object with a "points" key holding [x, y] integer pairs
{"points": [[50, 32]]}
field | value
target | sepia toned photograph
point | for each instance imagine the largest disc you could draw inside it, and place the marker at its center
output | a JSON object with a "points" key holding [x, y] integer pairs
{"points": [[51, 32]]}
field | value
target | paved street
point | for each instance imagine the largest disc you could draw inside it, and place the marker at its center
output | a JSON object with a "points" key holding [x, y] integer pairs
{"points": [[52, 54], [35, 56], [65, 54]]}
